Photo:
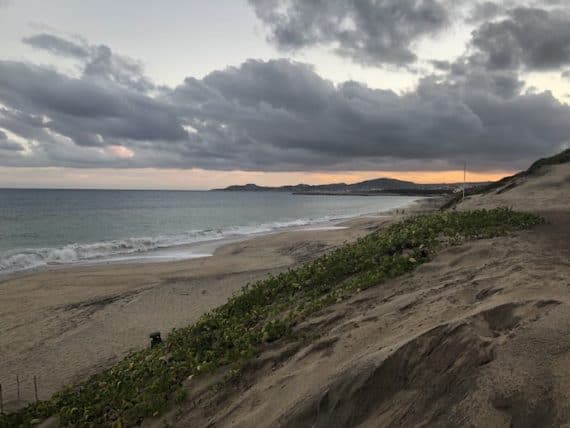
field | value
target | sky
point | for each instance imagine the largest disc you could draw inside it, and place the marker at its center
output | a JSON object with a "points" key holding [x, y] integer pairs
{"points": [[189, 94]]}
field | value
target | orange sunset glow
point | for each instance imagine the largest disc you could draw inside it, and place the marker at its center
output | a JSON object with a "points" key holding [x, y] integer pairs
{"points": [[196, 179]]}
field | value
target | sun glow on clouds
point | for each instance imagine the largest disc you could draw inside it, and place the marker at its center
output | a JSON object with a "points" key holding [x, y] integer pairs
{"points": [[118, 151]]}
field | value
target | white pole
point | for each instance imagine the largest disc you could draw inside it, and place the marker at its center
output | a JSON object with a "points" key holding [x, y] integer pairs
{"points": [[464, 177]]}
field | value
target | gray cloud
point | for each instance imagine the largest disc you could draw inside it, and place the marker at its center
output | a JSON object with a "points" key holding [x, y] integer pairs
{"points": [[57, 45], [511, 34], [368, 31], [484, 11], [281, 115], [278, 116], [97, 62], [441, 65], [86, 111], [351, 125], [528, 38], [279, 83], [8, 145]]}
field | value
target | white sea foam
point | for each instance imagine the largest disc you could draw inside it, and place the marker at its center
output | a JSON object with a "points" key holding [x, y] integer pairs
{"points": [[141, 247]]}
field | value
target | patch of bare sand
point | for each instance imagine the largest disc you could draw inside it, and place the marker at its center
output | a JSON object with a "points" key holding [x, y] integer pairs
{"points": [[65, 324], [480, 336], [547, 189]]}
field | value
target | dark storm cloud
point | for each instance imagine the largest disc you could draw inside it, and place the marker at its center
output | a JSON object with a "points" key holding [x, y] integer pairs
{"points": [[368, 31], [86, 111], [528, 38], [479, 115], [276, 115]]}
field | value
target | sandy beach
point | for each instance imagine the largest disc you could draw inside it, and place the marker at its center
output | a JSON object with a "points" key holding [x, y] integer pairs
{"points": [[66, 323]]}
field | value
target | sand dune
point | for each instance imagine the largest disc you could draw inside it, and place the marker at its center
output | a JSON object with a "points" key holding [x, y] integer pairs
{"points": [[480, 336], [545, 189]]}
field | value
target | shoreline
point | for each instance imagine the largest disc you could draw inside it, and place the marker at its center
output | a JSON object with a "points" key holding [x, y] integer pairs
{"points": [[185, 250], [64, 324], [411, 193]]}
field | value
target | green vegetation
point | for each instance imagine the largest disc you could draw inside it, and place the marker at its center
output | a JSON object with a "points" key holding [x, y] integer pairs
{"points": [[146, 382]]}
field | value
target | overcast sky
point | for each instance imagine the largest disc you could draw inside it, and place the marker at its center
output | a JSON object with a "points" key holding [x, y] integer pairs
{"points": [[199, 94]]}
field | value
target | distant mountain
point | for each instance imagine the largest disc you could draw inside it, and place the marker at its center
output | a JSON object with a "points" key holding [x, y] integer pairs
{"points": [[369, 187]]}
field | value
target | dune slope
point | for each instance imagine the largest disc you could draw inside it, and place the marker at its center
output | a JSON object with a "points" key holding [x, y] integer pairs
{"points": [[479, 336], [544, 186]]}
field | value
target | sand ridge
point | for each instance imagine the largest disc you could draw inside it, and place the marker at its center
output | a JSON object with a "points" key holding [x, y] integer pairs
{"points": [[545, 189]]}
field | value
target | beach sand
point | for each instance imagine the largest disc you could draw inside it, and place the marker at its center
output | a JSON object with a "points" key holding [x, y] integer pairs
{"points": [[547, 190], [479, 336], [66, 323]]}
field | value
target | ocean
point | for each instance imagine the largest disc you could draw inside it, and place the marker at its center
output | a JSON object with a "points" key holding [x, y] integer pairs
{"points": [[45, 227]]}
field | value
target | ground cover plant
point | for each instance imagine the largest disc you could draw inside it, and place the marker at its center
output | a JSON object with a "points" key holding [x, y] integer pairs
{"points": [[145, 383]]}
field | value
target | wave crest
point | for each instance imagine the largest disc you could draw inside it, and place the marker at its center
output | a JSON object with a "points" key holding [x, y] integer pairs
{"points": [[25, 259]]}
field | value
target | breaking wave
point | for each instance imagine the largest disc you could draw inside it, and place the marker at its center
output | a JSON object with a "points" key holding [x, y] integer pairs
{"points": [[25, 259]]}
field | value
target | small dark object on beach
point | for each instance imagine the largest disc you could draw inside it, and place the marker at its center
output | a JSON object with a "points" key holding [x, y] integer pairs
{"points": [[155, 339]]}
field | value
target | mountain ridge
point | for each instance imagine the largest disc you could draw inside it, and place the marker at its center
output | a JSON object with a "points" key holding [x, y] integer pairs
{"points": [[377, 185]]}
